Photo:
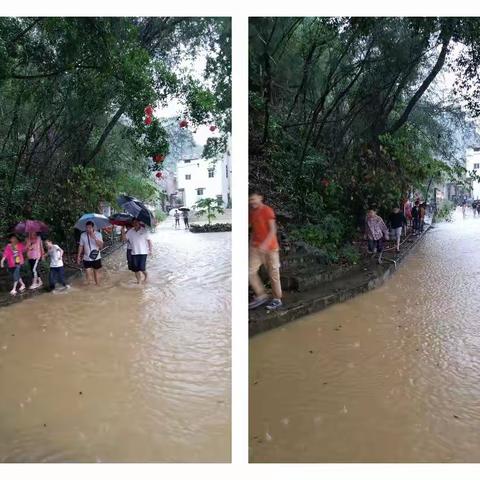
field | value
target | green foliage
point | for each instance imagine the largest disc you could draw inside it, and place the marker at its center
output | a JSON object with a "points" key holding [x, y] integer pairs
{"points": [[160, 215], [328, 235], [208, 207], [445, 211], [350, 254]]}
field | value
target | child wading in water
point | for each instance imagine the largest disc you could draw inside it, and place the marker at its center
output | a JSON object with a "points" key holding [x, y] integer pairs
{"points": [[35, 253], [13, 255], [57, 271], [375, 231]]}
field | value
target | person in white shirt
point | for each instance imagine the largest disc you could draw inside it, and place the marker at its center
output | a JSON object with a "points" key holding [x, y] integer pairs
{"points": [[91, 243], [57, 271], [141, 246]]}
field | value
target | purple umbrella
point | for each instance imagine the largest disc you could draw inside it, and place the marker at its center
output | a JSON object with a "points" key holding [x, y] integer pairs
{"points": [[31, 226]]}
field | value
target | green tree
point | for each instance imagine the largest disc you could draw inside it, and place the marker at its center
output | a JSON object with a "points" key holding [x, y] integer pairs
{"points": [[208, 207]]}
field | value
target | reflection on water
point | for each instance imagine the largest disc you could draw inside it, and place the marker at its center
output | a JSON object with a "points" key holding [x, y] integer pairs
{"points": [[389, 376], [124, 372]]}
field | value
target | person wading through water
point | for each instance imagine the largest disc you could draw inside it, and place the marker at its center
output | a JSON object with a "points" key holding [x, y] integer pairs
{"points": [[91, 242], [141, 246]]}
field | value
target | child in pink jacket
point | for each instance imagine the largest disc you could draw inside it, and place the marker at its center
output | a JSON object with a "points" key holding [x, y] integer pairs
{"points": [[13, 255]]}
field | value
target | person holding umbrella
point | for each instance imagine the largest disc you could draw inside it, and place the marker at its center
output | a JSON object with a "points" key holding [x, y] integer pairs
{"points": [[35, 252], [185, 217], [141, 246], [91, 242], [124, 220]]}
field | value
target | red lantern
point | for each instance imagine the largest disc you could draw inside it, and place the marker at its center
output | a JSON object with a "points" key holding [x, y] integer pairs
{"points": [[158, 158], [213, 128], [148, 120], [325, 182], [183, 124], [149, 110], [159, 175]]}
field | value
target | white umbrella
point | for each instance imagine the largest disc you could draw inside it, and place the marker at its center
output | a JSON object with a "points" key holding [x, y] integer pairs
{"points": [[100, 221]]}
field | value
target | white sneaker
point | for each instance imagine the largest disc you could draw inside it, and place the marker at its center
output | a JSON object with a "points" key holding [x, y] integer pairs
{"points": [[13, 292]]}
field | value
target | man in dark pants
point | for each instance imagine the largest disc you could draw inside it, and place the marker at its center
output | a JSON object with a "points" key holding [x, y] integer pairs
{"points": [[141, 246], [185, 219]]}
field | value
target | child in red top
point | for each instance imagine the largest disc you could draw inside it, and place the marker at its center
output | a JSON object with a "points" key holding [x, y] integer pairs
{"points": [[13, 255]]}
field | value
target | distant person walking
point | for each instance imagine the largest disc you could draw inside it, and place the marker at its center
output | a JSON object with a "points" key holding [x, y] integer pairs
{"points": [[141, 246], [177, 219], [35, 252], [464, 207], [416, 217], [185, 219], [13, 255], [422, 210], [57, 270], [264, 250], [407, 210], [375, 231], [397, 220], [91, 242]]}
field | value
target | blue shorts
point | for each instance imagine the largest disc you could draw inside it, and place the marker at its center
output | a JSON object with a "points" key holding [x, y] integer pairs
{"points": [[139, 263], [15, 272]]}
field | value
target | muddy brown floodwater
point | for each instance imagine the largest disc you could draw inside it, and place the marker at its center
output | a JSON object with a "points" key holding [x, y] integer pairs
{"points": [[389, 376], [124, 373]]}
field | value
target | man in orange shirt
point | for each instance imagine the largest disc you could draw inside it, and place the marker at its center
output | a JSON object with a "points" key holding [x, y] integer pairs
{"points": [[264, 250]]}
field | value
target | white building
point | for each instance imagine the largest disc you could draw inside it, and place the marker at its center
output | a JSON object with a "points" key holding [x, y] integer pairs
{"points": [[473, 163], [199, 178]]}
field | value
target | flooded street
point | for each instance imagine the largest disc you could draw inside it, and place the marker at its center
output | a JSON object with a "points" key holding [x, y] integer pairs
{"points": [[124, 373], [389, 376]]}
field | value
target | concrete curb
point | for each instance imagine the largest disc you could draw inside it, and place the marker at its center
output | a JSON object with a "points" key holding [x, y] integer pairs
{"points": [[377, 276]]}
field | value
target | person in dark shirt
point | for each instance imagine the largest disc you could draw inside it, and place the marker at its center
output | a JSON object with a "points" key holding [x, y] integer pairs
{"points": [[397, 220]]}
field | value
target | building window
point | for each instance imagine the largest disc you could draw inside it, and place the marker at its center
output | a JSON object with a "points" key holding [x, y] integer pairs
{"points": [[186, 161], [200, 191], [211, 173], [188, 177], [219, 199], [476, 166]]}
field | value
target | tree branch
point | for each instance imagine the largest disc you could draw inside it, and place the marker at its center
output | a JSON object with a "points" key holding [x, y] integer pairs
{"points": [[424, 86]]}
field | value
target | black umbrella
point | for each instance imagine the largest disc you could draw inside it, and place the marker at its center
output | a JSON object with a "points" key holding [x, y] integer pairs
{"points": [[184, 209], [121, 219], [136, 208]]}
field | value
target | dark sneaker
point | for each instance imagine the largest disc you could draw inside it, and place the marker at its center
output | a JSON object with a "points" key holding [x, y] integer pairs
{"points": [[275, 304], [257, 302]]}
